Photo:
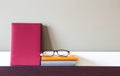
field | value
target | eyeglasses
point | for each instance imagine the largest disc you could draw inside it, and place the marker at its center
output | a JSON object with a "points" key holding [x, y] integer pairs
{"points": [[60, 52]]}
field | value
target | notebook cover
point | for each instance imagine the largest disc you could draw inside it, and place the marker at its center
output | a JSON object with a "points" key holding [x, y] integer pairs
{"points": [[63, 58], [58, 63], [26, 43]]}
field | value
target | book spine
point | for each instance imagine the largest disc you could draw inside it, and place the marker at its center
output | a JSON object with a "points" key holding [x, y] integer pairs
{"points": [[58, 63]]}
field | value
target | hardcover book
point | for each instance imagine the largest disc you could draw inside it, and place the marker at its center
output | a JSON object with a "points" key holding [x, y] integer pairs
{"points": [[26, 43]]}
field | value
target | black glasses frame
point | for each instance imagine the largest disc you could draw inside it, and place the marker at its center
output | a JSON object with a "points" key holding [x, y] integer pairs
{"points": [[57, 52]]}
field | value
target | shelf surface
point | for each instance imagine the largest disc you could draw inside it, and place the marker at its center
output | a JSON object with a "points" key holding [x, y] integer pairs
{"points": [[59, 71]]}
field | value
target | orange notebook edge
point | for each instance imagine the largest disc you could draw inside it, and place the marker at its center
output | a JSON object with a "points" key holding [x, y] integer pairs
{"points": [[71, 57]]}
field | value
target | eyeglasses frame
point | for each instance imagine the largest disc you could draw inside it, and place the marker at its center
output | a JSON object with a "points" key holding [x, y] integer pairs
{"points": [[57, 52]]}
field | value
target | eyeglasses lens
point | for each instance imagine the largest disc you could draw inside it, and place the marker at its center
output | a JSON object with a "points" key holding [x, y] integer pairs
{"points": [[48, 53], [63, 53]]}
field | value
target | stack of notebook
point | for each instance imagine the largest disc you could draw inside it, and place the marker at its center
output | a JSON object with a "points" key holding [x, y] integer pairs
{"points": [[70, 60]]}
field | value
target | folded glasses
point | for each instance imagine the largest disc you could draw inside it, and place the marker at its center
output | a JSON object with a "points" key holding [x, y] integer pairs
{"points": [[60, 52]]}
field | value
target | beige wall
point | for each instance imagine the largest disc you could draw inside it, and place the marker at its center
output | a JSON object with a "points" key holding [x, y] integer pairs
{"points": [[70, 24]]}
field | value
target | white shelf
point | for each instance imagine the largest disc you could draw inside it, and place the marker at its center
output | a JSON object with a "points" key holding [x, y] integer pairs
{"points": [[85, 58]]}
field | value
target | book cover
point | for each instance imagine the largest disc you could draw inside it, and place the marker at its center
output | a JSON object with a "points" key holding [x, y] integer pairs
{"points": [[26, 43], [70, 57], [58, 63]]}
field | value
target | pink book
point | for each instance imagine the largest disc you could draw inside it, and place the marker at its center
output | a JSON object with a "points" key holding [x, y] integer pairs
{"points": [[26, 43]]}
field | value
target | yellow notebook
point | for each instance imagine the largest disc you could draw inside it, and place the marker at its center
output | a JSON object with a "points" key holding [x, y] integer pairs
{"points": [[62, 58]]}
